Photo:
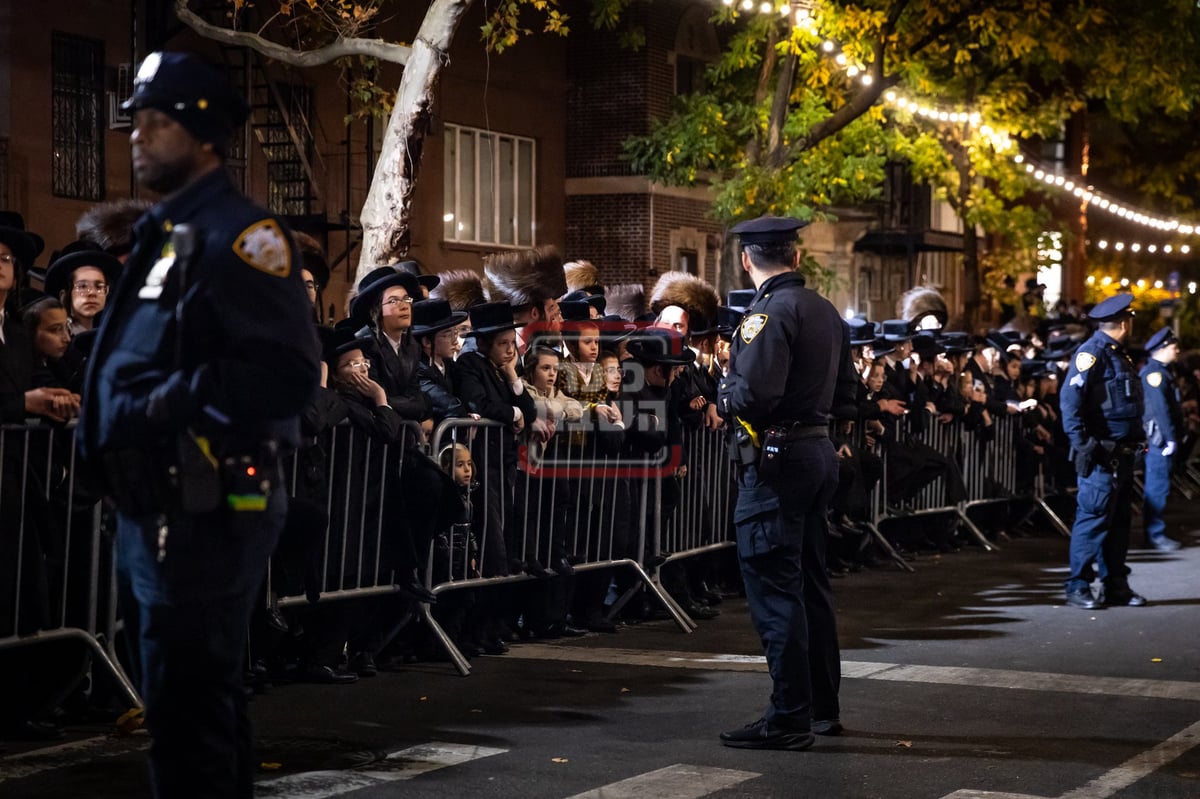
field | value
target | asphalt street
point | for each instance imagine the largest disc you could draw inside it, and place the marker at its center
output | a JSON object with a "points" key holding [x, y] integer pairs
{"points": [[968, 679]]}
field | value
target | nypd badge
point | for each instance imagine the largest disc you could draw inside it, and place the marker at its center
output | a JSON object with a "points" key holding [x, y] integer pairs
{"points": [[1084, 361], [1154, 379], [752, 325], [264, 246]]}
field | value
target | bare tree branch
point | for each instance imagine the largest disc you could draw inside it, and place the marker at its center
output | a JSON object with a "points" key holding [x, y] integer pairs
{"points": [[341, 48]]}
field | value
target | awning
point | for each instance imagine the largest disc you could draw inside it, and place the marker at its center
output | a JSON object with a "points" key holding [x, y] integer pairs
{"points": [[902, 242]]}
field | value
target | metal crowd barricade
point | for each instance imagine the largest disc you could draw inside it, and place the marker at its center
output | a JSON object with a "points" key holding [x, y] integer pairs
{"points": [[361, 477], [57, 571], [559, 504]]}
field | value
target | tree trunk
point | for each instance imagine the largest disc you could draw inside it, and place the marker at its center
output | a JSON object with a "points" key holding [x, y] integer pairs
{"points": [[972, 294], [386, 215]]}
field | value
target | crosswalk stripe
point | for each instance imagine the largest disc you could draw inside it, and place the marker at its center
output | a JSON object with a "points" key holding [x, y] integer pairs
{"points": [[680, 781], [866, 670], [403, 765], [50, 758]]}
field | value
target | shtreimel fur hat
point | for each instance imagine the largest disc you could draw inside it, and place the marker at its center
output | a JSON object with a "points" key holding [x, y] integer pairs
{"points": [[462, 288], [524, 277], [626, 300], [689, 292], [583, 276], [919, 302], [110, 225]]}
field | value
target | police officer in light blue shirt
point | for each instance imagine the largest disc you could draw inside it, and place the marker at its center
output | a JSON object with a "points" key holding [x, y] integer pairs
{"points": [[1101, 403], [1163, 422]]}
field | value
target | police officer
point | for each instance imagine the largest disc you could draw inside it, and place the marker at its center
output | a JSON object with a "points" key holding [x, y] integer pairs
{"points": [[1102, 416], [204, 360], [790, 356], [1163, 423]]}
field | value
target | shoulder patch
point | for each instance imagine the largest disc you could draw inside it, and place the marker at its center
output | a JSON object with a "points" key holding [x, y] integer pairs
{"points": [[264, 246], [1154, 379], [752, 325], [1084, 361]]}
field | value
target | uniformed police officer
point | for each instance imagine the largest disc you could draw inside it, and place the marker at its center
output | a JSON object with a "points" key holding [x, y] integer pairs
{"points": [[205, 359], [789, 357], [1163, 422], [1102, 416]]}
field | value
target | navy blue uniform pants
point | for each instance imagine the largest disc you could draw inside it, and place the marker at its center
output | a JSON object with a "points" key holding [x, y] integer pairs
{"points": [[193, 609], [1100, 534], [781, 538], [1157, 487]]}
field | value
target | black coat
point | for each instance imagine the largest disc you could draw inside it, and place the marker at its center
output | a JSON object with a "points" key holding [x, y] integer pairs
{"points": [[396, 371], [438, 388], [16, 370]]}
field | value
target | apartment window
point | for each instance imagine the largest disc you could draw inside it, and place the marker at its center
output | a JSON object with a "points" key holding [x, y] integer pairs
{"points": [[77, 121], [488, 188]]}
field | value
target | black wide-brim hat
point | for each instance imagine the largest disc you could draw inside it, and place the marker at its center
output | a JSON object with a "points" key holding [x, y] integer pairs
{"points": [[434, 316], [881, 346], [58, 274], [897, 330], [861, 331], [490, 318], [336, 342], [597, 301], [315, 262], [375, 282], [927, 346], [956, 342], [614, 329], [656, 345], [575, 310], [414, 268], [12, 219], [23, 247]]}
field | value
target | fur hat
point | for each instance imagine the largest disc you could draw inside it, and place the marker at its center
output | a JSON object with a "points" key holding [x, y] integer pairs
{"points": [[110, 225], [524, 277], [583, 276], [626, 300], [462, 288], [689, 292], [917, 303]]}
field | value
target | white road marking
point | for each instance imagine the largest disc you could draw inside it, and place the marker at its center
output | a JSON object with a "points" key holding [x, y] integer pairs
{"points": [[866, 670], [1113, 780], [680, 781], [28, 764], [402, 765]]}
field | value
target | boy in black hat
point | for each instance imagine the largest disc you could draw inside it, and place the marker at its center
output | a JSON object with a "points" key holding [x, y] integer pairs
{"points": [[435, 327]]}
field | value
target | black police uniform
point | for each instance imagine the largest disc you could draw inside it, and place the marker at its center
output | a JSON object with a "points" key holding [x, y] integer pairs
{"points": [[1163, 423], [789, 357], [210, 403], [1102, 415]]}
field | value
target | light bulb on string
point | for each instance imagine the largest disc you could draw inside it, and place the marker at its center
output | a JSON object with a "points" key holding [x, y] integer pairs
{"points": [[1135, 247], [1124, 282], [1102, 244], [866, 79], [1185, 249], [1153, 248], [1106, 281], [1119, 246], [767, 7], [1158, 284], [1141, 284], [1091, 280], [828, 46], [747, 5]]}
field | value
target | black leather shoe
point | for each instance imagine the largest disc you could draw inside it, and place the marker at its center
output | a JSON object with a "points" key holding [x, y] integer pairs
{"points": [[364, 665], [494, 646], [568, 630], [1082, 598], [322, 675], [701, 612], [599, 624], [827, 727], [536, 569], [34, 731], [1123, 598], [761, 735]]}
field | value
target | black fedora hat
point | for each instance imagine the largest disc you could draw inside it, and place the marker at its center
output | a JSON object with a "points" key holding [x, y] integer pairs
{"points": [[575, 310], [597, 301], [433, 316], [414, 268], [956, 342], [882, 346], [24, 245], [657, 345], [861, 331], [375, 282], [336, 342], [58, 274], [315, 262], [491, 317], [927, 346], [897, 330]]}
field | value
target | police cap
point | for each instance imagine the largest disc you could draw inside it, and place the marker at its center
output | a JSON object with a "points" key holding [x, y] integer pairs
{"points": [[1114, 308], [192, 92], [768, 230], [1163, 338]]}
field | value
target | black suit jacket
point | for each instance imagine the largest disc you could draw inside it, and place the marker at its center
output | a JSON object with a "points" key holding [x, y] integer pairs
{"points": [[16, 370]]}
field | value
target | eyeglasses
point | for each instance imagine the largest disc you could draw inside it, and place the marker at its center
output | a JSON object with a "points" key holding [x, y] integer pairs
{"points": [[363, 364], [7, 258], [91, 287], [397, 301]]}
